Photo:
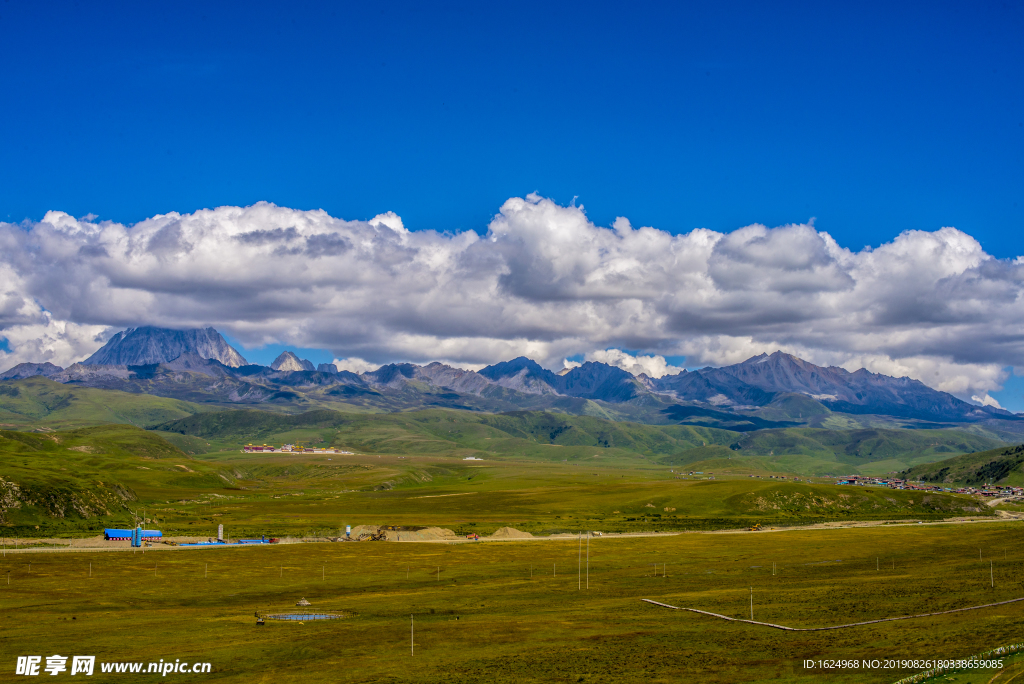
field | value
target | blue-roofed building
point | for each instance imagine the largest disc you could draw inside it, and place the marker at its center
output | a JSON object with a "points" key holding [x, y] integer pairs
{"points": [[125, 535]]}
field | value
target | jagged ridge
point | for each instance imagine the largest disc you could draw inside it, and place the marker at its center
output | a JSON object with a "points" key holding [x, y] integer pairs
{"points": [[199, 365]]}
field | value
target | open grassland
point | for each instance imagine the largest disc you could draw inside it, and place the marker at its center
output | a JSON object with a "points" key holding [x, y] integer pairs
{"points": [[485, 612], [544, 436], [541, 501], [41, 404], [523, 434], [864, 451], [519, 611], [76, 482], [37, 402]]}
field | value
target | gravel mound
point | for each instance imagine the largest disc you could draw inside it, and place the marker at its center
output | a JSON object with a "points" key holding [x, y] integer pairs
{"points": [[426, 534], [510, 533]]}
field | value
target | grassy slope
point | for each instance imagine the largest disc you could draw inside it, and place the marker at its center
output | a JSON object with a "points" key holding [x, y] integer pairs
{"points": [[865, 451], [36, 402], [793, 406], [295, 493], [1004, 465], [86, 478], [556, 499], [556, 437], [524, 434]]}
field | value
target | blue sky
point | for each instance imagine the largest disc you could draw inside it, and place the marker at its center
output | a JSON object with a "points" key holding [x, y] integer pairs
{"points": [[870, 118]]}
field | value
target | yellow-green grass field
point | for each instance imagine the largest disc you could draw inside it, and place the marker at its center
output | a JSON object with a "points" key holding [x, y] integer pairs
{"points": [[37, 402], [489, 611], [75, 482], [481, 617], [539, 498]]}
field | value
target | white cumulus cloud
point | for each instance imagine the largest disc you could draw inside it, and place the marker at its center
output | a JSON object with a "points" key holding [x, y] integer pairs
{"points": [[653, 365], [355, 365], [543, 281]]}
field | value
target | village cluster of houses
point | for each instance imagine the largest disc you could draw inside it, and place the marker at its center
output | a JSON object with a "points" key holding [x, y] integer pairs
{"points": [[896, 483], [290, 449], [890, 482], [993, 490]]}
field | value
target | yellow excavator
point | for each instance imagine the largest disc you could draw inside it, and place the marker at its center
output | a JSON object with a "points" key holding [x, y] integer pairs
{"points": [[756, 527]]}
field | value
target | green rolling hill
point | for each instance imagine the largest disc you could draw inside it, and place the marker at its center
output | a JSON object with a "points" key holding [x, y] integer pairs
{"points": [[83, 479], [38, 402], [532, 434], [1004, 465], [864, 451], [521, 434]]}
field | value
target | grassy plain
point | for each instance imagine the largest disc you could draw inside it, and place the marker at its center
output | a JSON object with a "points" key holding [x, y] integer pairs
{"points": [[485, 612], [532, 434], [37, 402], [847, 448], [78, 481], [481, 617]]}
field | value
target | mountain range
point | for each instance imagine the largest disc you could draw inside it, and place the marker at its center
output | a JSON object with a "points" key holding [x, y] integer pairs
{"points": [[776, 390]]}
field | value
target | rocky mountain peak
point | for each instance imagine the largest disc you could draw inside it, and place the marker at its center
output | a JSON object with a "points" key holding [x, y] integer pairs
{"points": [[28, 370], [149, 345], [600, 381], [288, 361], [523, 375], [391, 374], [514, 367]]}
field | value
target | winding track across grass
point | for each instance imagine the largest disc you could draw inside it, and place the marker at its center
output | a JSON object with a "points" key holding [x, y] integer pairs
{"points": [[820, 629]]}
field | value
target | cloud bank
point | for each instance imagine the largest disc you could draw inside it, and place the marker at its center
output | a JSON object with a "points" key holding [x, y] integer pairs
{"points": [[543, 282]]}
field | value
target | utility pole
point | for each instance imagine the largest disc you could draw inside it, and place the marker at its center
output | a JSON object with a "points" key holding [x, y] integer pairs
{"points": [[751, 603]]}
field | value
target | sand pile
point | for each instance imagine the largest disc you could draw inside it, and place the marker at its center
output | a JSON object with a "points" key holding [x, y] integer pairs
{"points": [[438, 533], [426, 534], [510, 533]]}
